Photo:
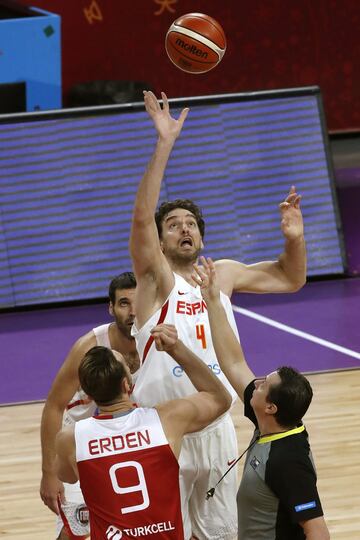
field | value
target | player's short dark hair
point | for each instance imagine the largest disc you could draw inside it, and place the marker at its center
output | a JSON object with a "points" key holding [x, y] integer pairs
{"points": [[126, 280], [292, 396], [187, 204], [101, 375]]}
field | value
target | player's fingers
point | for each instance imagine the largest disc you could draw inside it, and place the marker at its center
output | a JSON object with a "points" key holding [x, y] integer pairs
{"points": [[183, 115], [196, 279], [152, 101], [292, 190], [291, 198], [201, 273], [284, 206], [52, 504], [165, 102], [297, 201], [158, 343], [204, 263]]}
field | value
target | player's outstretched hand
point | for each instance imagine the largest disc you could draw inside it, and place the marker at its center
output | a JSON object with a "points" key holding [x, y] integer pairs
{"points": [[205, 277], [166, 126], [165, 337], [292, 224]]}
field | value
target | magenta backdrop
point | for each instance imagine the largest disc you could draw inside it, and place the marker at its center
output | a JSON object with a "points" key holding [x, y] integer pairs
{"points": [[272, 44]]}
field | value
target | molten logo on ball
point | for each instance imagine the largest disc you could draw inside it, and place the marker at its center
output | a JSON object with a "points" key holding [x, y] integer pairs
{"points": [[195, 43], [191, 48]]}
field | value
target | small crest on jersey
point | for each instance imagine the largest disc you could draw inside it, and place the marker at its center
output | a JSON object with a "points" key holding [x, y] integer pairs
{"points": [[113, 533], [254, 463], [82, 514]]}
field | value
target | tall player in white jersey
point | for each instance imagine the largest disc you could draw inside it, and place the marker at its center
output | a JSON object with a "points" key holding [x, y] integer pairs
{"points": [[67, 402], [126, 457], [163, 252]]}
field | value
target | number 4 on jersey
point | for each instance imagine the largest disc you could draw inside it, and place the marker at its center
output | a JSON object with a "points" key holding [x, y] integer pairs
{"points": [[200, 334]]}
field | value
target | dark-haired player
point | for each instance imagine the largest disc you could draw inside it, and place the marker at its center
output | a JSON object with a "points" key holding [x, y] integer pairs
{"points": [[126, 457], [67, 402], [163, 252]]}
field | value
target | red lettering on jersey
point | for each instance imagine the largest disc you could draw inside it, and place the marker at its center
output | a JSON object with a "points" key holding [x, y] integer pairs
{"points": [[196, 308], [134, 439], [131, 440], [185, 308], [105, 444], [118, 442], [180, 307], [94, 447], [144, 436]]}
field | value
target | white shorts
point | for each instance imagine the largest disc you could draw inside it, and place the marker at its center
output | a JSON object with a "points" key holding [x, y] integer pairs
{"points": [[204, 458], [75, 515]]}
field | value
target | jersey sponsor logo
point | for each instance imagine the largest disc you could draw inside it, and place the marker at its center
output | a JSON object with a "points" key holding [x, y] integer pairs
{"points": [[230, 462], [254, 463], [117, 443], [178, 370], [181, 293], [113, 533], [187, 308], [305, 506]]}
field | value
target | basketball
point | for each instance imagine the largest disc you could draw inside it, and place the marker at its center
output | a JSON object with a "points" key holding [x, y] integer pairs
{"points": [[195, 43]]}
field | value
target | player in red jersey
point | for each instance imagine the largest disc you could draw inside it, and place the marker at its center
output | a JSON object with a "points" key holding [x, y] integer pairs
{"points": [[126, 457]]}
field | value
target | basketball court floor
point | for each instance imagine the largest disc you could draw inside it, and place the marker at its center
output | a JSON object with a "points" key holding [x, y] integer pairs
{"points": [[315, 329]]}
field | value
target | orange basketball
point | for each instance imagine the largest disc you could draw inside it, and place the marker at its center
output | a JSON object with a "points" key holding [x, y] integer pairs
{"points": [[195, 43]]}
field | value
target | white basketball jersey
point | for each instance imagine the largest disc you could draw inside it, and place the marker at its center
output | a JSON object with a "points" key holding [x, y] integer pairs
{"points": [[160, 378], [81, 406]]}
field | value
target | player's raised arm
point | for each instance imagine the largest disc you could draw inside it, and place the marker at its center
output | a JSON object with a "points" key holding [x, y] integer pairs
{"points": [[143, 232], [287, 274], [227, 348], [196, 411]]}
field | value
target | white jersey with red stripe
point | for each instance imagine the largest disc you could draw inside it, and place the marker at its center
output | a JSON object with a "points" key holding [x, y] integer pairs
{"points": [[81, 406], [129, 476], [160, 378]]}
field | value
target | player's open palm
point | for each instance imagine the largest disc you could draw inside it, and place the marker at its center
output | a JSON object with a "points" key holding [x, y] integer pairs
{"points": [[205, 277], [166, 126], [292, 224]]}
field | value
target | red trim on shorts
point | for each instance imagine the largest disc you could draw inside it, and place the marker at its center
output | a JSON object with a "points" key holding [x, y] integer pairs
{"points": [[78, 402], [67, 527], [162, 317]]}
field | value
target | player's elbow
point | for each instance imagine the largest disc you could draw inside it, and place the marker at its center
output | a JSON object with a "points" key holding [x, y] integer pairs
{"points": [[298, 284], [225, 401]]}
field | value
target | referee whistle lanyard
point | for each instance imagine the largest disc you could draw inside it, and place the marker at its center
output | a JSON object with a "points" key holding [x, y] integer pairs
{"points": [[261, 439]]}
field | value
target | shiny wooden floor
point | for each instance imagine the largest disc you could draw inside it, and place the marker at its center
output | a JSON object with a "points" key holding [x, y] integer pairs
{"points": [[333, 423]]}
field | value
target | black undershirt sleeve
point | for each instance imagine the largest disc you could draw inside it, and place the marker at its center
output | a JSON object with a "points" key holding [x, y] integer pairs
{"points": [[291, 476]]}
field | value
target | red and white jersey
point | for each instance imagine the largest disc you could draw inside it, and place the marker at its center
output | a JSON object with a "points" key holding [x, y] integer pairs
{"points": [[160, 378], [129, 477], [81, 406]]}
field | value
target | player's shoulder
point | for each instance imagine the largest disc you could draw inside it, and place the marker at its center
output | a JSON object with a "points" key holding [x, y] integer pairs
{"points": [[85, 342], [228, 274]]}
